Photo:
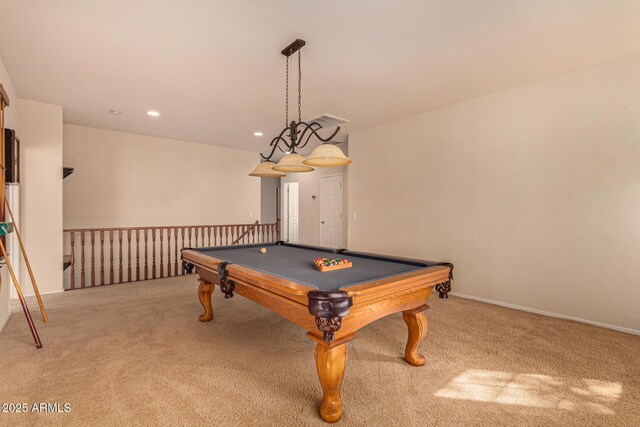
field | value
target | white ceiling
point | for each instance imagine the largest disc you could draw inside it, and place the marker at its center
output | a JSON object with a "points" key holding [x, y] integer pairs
{"points": [[214, 71]]}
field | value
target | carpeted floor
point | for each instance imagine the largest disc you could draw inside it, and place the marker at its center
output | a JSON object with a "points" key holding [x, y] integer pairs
{"points": [[137, 355]]}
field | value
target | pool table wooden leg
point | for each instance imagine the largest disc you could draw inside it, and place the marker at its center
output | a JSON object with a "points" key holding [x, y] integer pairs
{"points": [[204, 295], [416, 321], [331, 363]]}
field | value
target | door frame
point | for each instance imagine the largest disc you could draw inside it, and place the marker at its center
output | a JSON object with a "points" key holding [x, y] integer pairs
{"points": [[341, 175], [285, 210]]}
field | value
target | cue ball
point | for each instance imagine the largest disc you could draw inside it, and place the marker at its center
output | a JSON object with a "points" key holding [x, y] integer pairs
{"points": [[263, 250]]}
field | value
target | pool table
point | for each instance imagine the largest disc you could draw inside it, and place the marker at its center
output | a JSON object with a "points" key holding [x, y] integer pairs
{"points": [[330, 305]]}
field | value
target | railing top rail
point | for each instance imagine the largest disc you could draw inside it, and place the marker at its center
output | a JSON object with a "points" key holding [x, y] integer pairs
{"points": [[69, 230]]}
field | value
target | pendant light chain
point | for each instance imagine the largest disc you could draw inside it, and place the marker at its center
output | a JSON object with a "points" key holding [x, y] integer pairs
{"points": [[286, 102], [299, 86]]}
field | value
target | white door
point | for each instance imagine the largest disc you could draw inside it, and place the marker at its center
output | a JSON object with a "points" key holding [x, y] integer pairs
{"points": [[291, 211], [331, 211]]}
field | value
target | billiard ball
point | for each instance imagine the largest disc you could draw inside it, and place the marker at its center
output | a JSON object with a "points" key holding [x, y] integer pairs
{"points": [[263, 250]]}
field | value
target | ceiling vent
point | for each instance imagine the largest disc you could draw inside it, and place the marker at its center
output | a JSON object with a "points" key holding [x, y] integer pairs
{"points": [[327, 121]]}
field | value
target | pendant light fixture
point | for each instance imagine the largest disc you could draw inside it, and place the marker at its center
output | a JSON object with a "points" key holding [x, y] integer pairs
{"points": [[297, 134], [327, 155], [265, 170], [292, 162]]}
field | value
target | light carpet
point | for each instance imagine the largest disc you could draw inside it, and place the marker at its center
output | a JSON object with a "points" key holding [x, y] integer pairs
{"points": [[136, 354]]}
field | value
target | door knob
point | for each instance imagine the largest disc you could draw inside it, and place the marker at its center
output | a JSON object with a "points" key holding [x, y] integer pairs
{"points": [[321, 222]]}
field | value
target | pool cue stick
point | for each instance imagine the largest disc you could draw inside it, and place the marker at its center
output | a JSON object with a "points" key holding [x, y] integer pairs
{"points": [[26, 261], [3, 96], [25, 309]]}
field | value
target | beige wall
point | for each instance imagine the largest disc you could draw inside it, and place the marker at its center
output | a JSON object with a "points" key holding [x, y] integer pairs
{"points": [[309, 209], [124, 179], [11, 121], [533, 192], [40, 131]]}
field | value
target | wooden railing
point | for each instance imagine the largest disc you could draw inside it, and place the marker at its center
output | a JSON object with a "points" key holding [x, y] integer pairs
{"points": [[106, 256]]}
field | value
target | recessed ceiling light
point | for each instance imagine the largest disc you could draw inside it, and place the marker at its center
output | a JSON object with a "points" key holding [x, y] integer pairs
{"points": [[153, 113], [115, 112], [258, 133]]}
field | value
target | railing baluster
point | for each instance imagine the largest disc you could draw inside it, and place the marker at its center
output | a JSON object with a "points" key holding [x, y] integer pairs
{"points": [[137, 254], [73, 260], [161, 255], [82, 260], [182, 271], [175, 242], [120, 256], [129, 256], [209, 235], [111, 257], [168, 252], [153, 239], [93, 258], [146, 255], [101, 257]]}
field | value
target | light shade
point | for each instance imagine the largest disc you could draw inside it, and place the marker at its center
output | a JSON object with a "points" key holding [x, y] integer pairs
{"points": [[265, 170], [327, 155], [292, 163]]}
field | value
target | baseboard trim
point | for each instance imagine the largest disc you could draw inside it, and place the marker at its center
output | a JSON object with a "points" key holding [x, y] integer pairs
{"points": [[548, 313]]}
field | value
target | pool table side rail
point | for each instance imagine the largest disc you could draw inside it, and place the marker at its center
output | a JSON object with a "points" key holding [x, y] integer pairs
{"points": [[269, 282], [428, 276], [360, 293]]}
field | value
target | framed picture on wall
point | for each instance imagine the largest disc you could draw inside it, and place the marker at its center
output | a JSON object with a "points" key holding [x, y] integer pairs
{"points": [[11, 156]]}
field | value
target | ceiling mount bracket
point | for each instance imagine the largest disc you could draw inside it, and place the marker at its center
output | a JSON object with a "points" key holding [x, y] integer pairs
{"points": [[293, 47]]}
